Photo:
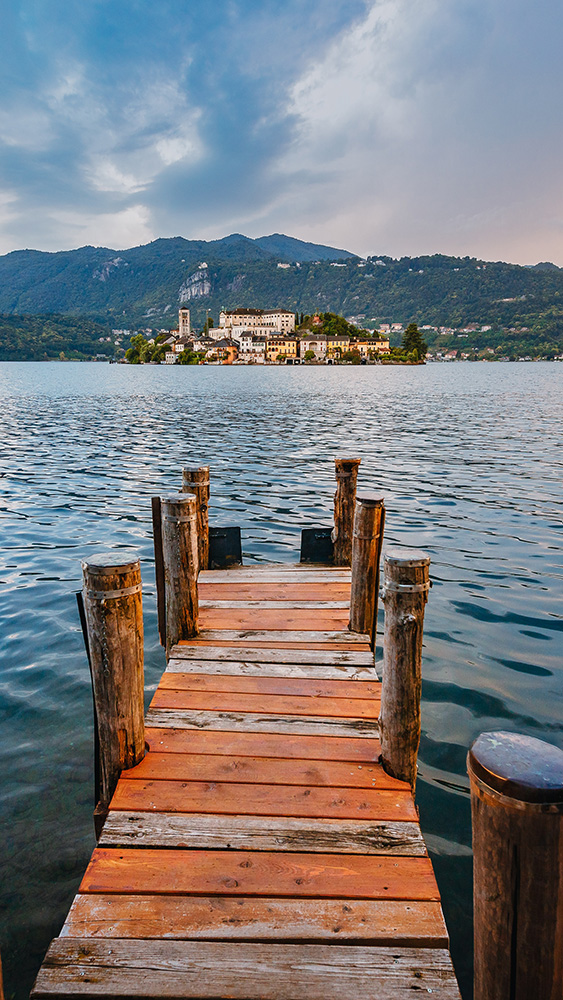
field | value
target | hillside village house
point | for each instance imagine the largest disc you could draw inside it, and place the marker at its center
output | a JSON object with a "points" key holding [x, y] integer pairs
{"points": [[314, 342], [264, 321], [284, 346]]}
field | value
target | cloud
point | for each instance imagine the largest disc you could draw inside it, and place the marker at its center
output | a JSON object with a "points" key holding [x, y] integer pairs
{"points": [[419, 132], [387, 126]]}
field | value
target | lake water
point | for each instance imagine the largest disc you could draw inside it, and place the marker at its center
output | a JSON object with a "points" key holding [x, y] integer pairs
{"points": [[469, 458]]}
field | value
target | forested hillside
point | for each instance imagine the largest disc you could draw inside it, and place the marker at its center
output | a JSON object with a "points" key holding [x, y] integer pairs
{"points": [[142, 288]]}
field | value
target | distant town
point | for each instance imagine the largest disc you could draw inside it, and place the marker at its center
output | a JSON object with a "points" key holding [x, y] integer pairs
{"points": [[272, 336], [249, 336]]}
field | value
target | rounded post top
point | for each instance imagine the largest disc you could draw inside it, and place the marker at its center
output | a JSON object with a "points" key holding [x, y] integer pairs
{"points": [[520, 767], [184, 499], [407, 557], [112, 562], [370, 501], [347, 461], [193, 470]]}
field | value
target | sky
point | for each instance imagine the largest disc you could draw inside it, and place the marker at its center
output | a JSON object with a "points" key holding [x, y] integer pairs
{"points": [[399, 127]]}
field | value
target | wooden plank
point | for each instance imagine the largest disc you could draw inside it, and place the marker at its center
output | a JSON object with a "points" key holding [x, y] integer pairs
{"points": [[287, 606], [261, 770], [242, 799], [169, 740], [259, 873], [278, 635], [266, 704], [311, 687], [279, 591], [257, 833], [283, 619], [241, 970], [385, 921], [235, 668], [199, 651], [252, 722], [279, 572], [327, 647]]}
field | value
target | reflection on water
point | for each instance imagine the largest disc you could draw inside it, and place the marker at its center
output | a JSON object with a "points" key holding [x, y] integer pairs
{"points": [[468, 457]]}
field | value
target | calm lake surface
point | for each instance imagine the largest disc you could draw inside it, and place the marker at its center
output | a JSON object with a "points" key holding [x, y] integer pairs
{"points": [[469, 458]]}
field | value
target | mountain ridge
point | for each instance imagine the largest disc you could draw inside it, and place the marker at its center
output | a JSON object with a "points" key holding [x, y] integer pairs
{"points": [[142, 287]]}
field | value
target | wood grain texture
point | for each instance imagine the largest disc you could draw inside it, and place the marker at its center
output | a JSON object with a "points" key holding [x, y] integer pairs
{"points": [[180, 559], [312, 687], [241, 799], [385, 921], [235, 667], [257, 833], [267, 704], [281, 635], [259, 873], [279, 591], [115, 640], [170, 740], [197, 481], [313, 671], [241, 971], [402, 660], [252, 722], [366, 551], [322, 657], [286, 619], [346, 472], [261, 770], [287, 606]]}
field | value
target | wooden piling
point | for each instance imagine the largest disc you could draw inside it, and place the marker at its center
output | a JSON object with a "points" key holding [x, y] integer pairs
{"points": [[180, 560], [366, 552], [346, 472], [197, 481], [517, 812], [114, 621], [405, 592]]}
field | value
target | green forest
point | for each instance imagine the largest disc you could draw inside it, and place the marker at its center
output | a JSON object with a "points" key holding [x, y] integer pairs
{"points": [[64, 302], [53, 338]]}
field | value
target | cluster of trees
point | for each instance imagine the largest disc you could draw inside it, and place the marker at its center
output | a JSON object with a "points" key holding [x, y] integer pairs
{"points": [[49, 338]]}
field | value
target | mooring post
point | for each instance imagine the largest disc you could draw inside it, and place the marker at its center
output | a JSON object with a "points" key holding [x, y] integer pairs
{"points": [[113, 612], [346, 472], [517, 812], [405, 592], [180, 560], [197, 481], [366, 552]]}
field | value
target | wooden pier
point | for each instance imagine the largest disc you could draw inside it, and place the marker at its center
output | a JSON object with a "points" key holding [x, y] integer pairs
{"points": [[260, 850]]}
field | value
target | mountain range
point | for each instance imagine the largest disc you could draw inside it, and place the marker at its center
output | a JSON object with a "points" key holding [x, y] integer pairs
{"points": [[143, 287]]}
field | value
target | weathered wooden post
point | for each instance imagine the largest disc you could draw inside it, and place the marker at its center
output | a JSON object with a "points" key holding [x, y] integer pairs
{"points": [[180, 561], [346, 472], [113, 611], [197, 481], [405, 592], [366, 553], [517, 811]]}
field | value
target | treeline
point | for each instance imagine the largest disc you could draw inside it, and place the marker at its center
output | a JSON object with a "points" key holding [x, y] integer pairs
{"points": [[47, 338]]}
